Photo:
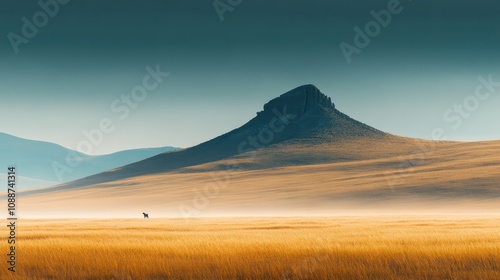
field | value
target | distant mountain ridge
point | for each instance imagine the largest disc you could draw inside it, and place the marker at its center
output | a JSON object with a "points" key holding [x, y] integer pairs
{"points": [[35, 159]]}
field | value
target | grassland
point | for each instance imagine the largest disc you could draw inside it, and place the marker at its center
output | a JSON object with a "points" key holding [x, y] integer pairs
{"points": [[260, 248]]}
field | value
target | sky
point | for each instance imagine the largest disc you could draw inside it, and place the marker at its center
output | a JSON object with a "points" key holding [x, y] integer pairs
{"points": [[66, 78]]}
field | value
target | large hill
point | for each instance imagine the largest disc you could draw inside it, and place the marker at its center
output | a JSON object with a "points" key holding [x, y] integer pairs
{"points": [[298, 156]]}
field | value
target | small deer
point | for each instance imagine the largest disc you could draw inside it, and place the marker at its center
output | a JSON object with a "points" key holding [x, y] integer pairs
{"points": [[145, 215]]}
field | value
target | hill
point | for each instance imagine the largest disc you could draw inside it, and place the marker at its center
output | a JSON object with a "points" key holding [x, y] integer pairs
{"points": [[298, 156]]}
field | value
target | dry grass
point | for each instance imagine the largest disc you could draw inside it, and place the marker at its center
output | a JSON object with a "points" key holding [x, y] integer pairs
{"points": [[260, 248]]}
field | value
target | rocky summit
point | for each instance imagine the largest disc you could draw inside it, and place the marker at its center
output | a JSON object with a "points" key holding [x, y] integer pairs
{"points": [[300, 100]]}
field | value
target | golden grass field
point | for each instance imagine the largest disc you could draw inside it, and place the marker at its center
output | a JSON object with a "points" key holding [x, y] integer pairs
{"points": [[377, 247]]}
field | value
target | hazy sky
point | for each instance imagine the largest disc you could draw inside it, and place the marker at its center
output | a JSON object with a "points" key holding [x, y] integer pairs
{"points": [[65, 78]]}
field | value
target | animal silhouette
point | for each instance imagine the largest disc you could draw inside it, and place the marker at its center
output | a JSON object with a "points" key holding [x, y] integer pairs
{"points": [[145, 215]]}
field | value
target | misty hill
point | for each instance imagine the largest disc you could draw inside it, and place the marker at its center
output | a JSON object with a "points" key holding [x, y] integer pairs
{"points": [[298, 156], [303, 117], [35, 161]]}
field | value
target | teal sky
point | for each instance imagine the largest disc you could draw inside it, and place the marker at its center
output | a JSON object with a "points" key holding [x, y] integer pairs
{"points": [[65, 78]]}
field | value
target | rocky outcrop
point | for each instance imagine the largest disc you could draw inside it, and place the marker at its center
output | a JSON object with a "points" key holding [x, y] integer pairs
{"points": [[300, 100]]}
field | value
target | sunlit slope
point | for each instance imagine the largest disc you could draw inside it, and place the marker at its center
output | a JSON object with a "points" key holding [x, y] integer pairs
{"points": [[450, 178]]}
